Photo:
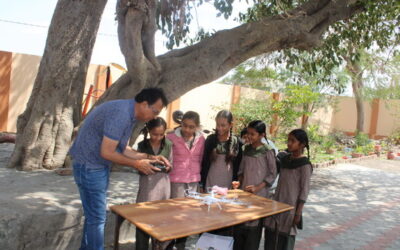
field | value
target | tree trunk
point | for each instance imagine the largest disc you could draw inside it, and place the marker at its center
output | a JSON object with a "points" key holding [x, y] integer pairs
{"points": [[304, 122], [54, 108], [45, 129], [309, 108], [357, 84]]}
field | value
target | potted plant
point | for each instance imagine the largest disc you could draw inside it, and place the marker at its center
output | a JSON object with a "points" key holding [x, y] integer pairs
{"points": [[328, 145], [369, 149], [358, 152], [378, 148], [390, 155]]}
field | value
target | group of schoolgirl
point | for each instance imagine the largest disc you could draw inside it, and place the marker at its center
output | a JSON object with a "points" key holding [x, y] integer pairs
{"points": [[226, 160]]}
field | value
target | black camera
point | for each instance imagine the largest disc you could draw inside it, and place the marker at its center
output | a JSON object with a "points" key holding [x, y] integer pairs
{"points": [[160, 166]]}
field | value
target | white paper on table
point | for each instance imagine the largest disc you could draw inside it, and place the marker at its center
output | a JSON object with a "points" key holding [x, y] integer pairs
{"points": [[209, 241]]}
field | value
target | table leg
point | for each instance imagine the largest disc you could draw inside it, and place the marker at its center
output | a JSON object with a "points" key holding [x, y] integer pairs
{"points": [[276, 234], [118, 222]]}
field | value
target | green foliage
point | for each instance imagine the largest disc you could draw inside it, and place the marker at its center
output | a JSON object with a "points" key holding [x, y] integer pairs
{"points": [[287, 110], [347, 39], [248, 110], [290, 108], [280, 141], [305, 93], [174, 19], [359, 149], [374, 28], [394, 138], [328, 142], [383, 78], [320, 156], [386, 145], [361, 139], [368, 148], [313, 133], [365, 149], [252, 74]]}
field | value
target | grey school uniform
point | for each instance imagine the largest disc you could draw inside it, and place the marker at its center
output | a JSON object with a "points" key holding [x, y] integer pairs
{"points": [[155, 186], [258, 165], [293, 187], [220, 173], [151, 188], [215, 170]]}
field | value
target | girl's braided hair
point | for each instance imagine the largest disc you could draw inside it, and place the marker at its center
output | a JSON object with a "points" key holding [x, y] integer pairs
{"points": [[156, 122], [230, 154], [302, 137]]}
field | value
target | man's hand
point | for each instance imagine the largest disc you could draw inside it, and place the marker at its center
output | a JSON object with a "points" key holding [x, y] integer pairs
{"points": [[145, 167], [163, 161], [159, 159]]}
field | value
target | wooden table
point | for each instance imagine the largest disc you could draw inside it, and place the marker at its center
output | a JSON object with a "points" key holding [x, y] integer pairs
{"points": [[181, 217]]}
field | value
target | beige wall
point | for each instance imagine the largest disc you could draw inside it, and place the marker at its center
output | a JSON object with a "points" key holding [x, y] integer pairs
{"points": [[389, 117], [250, 93], [24, 69], [324, 118], [207, 100], [91, 80], [345, 116], [97, 73], [23, 73]]}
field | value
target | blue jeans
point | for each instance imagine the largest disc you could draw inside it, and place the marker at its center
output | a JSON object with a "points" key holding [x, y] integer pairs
{"points": [[92, 185]]}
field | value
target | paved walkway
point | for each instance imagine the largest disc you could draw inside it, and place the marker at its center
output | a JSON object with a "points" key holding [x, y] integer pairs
{"points": [[350, 206], [353, 207]]}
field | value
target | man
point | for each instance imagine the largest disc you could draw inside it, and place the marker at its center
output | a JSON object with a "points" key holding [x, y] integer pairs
{"points": [[102, 140]]}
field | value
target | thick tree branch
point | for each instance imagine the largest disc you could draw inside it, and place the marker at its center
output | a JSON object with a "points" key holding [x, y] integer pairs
{"points": [[136, 30], [187, 68], [213, 57]]}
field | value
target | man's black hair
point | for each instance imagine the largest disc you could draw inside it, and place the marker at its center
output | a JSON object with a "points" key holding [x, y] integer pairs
{"points": [[151, 95]]}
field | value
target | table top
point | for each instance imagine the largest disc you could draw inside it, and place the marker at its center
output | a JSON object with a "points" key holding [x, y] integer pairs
{"points": [[180, 217]]}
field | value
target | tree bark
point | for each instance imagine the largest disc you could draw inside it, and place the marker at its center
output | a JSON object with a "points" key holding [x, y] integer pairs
{"points": [[309, 108], [45, 128], [357, 84], [54, 107], [353, 66]]}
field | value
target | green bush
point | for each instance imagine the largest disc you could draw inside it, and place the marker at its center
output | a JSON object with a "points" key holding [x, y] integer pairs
{"points": [[394, 138], [328, 143], [249, 110], [314, 134], [359, 149], [368, 148], [361, 139]]}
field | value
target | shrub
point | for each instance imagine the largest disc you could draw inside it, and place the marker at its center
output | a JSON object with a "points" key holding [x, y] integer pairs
{"points": [[314, 134], [361, 139], [394, 138]]}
